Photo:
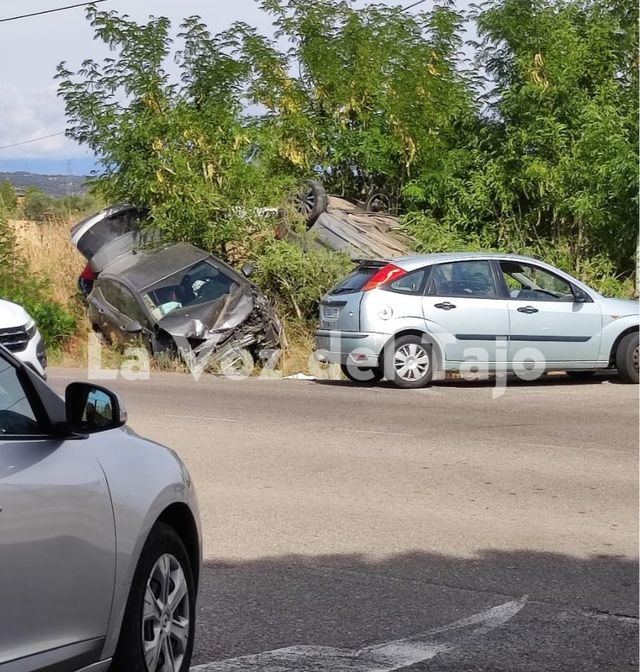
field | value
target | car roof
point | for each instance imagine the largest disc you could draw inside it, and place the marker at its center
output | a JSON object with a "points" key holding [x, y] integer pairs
{"points": [[144, 268], [411, 262]]}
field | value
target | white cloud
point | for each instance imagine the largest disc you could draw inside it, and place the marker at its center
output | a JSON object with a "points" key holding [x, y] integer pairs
{"points": [[28, 113]]}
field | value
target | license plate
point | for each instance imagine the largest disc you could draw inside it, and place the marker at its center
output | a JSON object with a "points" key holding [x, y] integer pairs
{"points": [[330, 313]]}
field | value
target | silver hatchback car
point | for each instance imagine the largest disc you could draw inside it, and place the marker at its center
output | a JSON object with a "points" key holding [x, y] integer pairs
{"points": [[413, 318], [99, 535]]}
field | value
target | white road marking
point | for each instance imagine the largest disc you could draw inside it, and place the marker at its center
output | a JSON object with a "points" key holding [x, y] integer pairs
{"points": [[387, 657], [198, 417]]}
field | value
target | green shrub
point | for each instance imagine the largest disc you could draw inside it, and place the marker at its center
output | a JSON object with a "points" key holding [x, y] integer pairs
{"points": [[296, 279], [39, 206], [597, 271], [8, 197]]}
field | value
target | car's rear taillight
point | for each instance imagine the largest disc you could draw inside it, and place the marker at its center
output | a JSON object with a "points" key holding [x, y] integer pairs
{"points": [[383, 276]]}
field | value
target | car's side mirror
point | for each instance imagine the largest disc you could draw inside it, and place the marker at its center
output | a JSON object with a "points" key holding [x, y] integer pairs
{"points": [[579, 296], [247, 270], [91, 408]]}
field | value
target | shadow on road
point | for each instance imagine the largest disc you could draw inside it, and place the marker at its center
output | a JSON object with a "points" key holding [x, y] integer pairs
{"points": [[547, 380], [581, 613]]}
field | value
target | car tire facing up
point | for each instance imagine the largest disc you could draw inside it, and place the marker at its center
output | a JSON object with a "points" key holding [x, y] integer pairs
{"points": [[409, 362], [158, 626], [627, 358]]}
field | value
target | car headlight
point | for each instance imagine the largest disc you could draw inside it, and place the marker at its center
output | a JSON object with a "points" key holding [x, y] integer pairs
{"points": [[31, 328]]}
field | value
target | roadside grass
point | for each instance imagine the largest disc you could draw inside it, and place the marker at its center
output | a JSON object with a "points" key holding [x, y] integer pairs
{"points": [[47, 249]]}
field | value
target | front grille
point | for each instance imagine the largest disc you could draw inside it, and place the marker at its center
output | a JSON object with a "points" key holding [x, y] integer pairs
{"points": [[14, 339]]}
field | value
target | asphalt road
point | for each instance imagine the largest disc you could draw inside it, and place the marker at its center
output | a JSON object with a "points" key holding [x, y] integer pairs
{"points": [[502, 533]]}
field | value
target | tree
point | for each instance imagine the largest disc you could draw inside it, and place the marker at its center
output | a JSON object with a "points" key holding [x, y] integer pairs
{"points": [[38, 205], [8, 197], [180, 149], [362, 97], [553, 164]]}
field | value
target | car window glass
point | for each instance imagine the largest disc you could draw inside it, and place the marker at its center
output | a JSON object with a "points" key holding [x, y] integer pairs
{"points": [[129, 306], [200, 283], [473, 279], [356, 280], [532, 283], [110, 292], [411, 283], [16, 414]]}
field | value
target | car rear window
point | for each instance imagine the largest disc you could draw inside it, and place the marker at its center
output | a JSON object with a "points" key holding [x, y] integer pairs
{"points": [[355, 281]]}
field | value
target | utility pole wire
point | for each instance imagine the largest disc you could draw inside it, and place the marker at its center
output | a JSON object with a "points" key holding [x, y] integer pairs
{"points": [[411, 6], [26, 142], [50, 11]]}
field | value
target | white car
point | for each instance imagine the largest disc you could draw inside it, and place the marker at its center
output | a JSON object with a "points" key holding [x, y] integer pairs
{"points": [[19, 334]]}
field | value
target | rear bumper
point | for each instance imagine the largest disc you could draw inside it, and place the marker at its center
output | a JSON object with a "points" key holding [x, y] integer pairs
{"points": [[343, 347]]}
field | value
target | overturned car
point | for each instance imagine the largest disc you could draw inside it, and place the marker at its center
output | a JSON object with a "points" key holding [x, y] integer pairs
{"points": [[169, 296]]}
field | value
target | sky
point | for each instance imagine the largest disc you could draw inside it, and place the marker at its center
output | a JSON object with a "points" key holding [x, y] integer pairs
{"points": [[31, 48]]}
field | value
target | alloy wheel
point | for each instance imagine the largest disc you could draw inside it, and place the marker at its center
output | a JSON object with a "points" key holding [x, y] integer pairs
{"points": [[305, 201], [165, 616], [411, 361], [636, 359]]}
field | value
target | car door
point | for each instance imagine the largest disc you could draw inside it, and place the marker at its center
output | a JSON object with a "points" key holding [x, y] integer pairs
{"points": [[133, 315], [465, 310], [57, 538], [545, 316], [102, 307], [120, 316]]}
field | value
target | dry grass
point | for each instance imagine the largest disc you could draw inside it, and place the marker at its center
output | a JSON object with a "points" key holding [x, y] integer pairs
{"points": [[48, 250], [297, 350]]}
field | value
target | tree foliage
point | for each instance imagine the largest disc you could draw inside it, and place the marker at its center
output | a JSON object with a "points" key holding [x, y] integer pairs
{"points": [[533, 146]]}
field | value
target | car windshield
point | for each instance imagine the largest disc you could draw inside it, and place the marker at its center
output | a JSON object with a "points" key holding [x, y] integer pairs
{"points": [[196, 284]]}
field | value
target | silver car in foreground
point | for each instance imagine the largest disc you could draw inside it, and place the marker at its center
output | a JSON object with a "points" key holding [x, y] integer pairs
{"points": [[99, 535], [414, 317]]}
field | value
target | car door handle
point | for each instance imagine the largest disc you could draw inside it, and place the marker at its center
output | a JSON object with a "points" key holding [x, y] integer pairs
{"points": [[528, 310], [101, 311], [444, 306]]}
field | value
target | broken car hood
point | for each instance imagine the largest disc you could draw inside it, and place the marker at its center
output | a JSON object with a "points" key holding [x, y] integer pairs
{"points": [[220, 315]]}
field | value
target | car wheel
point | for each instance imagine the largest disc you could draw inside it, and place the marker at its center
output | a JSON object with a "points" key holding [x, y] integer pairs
{"points": [[580, 375], [311, 201], [378, 201], [157, 630], [627, 358], [362, 374], [411, 362]]}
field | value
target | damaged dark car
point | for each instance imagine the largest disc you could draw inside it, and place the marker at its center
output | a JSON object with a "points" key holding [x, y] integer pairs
{"points": [[169, 296]]}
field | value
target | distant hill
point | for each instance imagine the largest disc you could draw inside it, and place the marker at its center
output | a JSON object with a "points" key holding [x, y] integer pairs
{"points": [[54, 185]]}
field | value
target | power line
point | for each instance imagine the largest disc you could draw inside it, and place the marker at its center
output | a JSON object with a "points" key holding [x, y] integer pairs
{"points": [[50, 11], [26, 142], [411, 6]]}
